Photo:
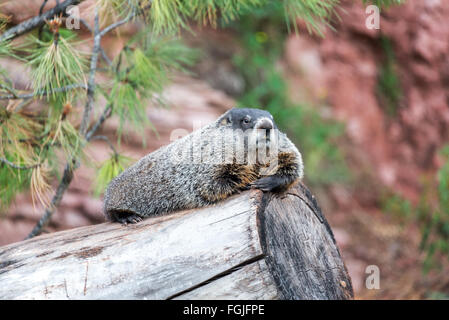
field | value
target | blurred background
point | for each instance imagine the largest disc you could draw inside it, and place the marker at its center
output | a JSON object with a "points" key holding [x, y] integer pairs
{"points": [[368, 109]]}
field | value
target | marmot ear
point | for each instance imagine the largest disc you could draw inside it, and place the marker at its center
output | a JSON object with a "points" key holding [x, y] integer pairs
{"points": [[225, 119]]}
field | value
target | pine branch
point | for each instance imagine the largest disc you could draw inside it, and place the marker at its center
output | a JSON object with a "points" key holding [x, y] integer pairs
{"points": [[93, 69], [43, 93], [103, 53], [107, 112], [106, 139], [117, 24], [41, 10], [15, 166], [9, 89], [125, 20], [38, 21], [67, 177], [70, 167]]}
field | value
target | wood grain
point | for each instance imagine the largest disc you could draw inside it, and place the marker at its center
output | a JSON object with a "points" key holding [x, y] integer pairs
{"points": [[154, 259], [300, 248]]}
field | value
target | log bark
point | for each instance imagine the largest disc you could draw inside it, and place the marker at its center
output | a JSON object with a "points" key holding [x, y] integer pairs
{"points": [[251, 246]]}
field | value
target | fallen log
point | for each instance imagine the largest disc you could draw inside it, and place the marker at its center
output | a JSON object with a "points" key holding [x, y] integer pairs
{"points": [[251, 246]]}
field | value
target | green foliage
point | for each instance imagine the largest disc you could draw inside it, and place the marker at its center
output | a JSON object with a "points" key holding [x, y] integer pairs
{"points": [[168, 16], [436, 295], [141, 73], [108, 170], [4, 19], [61, 132], [127, 105], [55, 64], [207, 11], [388, 85], [5, 48], [113, 10], [383, 3], [431, 214], [443, 179], [313, 12], [29, 138], [12, 181], [262, 34], [14, 128]]}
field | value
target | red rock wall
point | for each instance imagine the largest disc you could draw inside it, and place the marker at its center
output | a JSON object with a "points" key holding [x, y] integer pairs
{"points": [[343, 69]]}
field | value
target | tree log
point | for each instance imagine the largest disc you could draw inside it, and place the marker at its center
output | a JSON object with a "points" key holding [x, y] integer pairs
{"points": [[253, 245]]}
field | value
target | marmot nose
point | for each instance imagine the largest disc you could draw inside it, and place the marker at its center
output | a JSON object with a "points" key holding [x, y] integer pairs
{"points": [[264, 123]]}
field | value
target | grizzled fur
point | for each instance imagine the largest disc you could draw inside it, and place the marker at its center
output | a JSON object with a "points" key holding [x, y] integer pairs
{"points": [[159, 183]]}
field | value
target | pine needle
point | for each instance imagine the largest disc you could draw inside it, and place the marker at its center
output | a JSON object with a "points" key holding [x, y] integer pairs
{"points": [[65, 136], [315, 13], [12, 181], [167, 16], [383, 3], [208, 11], [5, 48], [17, 132], [40, 189], [128, 106], [55, 65], [15, 128], [4, 19], [111, 11], [109, 170], [144, 71]]}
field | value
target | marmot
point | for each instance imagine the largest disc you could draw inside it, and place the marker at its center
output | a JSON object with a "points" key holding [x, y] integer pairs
{"points": [[206, 166]]}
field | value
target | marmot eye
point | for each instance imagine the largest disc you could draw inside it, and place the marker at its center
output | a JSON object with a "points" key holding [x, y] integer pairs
{"points": [[246, 121]]}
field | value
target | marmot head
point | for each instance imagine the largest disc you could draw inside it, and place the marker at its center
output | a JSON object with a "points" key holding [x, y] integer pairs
{"points": [[245, 119], [255, 128]]}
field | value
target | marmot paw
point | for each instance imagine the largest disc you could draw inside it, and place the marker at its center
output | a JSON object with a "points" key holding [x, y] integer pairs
{"points": [[267, 183], [129, 219]]}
